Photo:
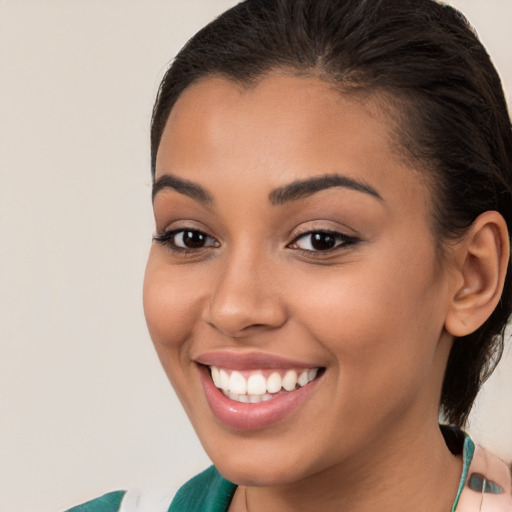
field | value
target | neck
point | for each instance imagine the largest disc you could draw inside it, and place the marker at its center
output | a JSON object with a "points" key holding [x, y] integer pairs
{"points": [[405, 473]]}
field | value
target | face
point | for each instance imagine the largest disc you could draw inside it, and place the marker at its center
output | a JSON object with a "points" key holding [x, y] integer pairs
{"points": [[294, 267]]}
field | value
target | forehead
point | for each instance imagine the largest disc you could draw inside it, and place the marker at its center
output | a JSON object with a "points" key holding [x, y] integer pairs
{"points": [[280, 129], [277, 109]]}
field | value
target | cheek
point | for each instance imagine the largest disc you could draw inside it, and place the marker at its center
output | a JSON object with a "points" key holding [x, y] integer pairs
{"points": [[378, 319], [172, 304], [379, 356]]}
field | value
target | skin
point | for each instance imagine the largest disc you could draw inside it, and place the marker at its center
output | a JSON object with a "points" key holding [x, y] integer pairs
{"points": [[371, 313]]}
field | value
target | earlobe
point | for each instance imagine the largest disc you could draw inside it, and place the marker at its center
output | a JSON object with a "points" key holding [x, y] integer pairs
{"points": [[482, 259]]}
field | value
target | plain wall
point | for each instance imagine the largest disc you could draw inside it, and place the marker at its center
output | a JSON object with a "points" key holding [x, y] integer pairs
{"points": [[84, 405]]}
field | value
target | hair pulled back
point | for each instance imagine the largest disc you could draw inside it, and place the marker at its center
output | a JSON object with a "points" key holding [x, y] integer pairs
{"points": [[452, 118]]}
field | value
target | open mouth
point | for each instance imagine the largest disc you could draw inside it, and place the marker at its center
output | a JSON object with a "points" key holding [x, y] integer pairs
{"points": [[255, 391], [254, 386]]}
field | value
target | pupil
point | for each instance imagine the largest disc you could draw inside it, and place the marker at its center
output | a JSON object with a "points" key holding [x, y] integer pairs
{"points": [[193, 239], [322, 241]]}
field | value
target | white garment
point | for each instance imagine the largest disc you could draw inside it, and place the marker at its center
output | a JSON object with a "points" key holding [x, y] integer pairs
{"points": [[150, 498]]}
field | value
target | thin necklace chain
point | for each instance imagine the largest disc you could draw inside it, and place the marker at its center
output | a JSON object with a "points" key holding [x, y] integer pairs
{"points": [[245, 499]]}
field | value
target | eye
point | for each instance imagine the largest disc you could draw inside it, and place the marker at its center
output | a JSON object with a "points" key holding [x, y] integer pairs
{"points": [[188, 239], [322, 241], [185, 240]]}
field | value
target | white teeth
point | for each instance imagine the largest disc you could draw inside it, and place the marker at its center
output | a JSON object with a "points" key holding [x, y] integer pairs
{"points": [[224, 380], [256, 385], [237, 383], [290, 380], [274, 383], [256, 388], [312, 374], [303, 378], [216, 376]]}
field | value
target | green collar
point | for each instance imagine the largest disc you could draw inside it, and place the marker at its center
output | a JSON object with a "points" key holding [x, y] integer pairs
{"points": [[467, 456], [207, 492]]}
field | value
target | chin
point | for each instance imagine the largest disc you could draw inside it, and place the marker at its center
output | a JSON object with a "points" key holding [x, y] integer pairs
{"points": [[261, 463], [259, 473]]}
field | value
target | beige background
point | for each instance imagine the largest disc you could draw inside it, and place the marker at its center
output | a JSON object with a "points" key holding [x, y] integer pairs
{"points": [[84, 405]]}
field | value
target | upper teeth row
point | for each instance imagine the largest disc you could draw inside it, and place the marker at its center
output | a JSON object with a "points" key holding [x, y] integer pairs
{"points": [[257, 384]]}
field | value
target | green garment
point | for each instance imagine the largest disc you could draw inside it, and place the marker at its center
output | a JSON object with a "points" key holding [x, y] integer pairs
{"points": [[206, 492], [107, 503], [211, 492]]}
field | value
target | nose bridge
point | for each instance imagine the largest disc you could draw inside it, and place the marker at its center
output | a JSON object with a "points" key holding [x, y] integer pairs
{"points": [[245, 293]]}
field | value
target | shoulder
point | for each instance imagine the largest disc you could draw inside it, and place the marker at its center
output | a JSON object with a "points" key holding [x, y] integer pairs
{"points": [[110, 502], [208, 492]]}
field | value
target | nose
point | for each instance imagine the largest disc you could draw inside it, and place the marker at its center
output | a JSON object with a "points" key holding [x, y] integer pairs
{"points": [[245, 297]]}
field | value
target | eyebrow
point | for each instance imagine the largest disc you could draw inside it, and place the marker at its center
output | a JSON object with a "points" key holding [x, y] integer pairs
{"points": [[303, 188], [293, 191], [185, 187]]}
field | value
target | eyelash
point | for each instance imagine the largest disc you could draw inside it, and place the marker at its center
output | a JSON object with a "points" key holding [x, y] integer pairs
{"points": [[340, 241], [167, 238]]}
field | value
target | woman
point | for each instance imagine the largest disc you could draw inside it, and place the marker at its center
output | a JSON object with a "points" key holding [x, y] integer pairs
{"points": [[331, 264]]}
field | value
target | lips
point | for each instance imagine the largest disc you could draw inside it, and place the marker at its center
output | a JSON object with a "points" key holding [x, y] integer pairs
{"points": [[255, 391]]}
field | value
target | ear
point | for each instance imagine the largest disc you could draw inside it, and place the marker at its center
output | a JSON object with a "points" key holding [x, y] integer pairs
{"points": [[481, 264]]}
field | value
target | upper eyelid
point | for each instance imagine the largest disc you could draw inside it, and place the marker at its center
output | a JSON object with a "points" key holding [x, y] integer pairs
{"points": [[181, 225], [166, 238], [345, 242], [174, 231], [325, 232], [185, 226], [168, 231], [323, 225], [309, 231], [329, 231]]}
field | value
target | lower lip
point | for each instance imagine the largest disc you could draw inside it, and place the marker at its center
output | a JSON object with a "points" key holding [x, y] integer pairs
{"points": [[243, 416]]}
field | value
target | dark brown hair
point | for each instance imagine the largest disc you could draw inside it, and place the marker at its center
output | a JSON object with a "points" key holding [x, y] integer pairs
{"points": [[447, 98]]}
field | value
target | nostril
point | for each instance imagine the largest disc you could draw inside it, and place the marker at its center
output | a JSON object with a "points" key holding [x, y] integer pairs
{"points": [[237, 315]]}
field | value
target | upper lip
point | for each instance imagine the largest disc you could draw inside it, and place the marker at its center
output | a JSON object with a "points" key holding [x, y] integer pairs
{"points": [[250, 361]]}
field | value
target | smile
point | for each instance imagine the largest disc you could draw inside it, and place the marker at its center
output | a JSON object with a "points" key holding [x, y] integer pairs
{"points": [[252, 391], [259, 385]]}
